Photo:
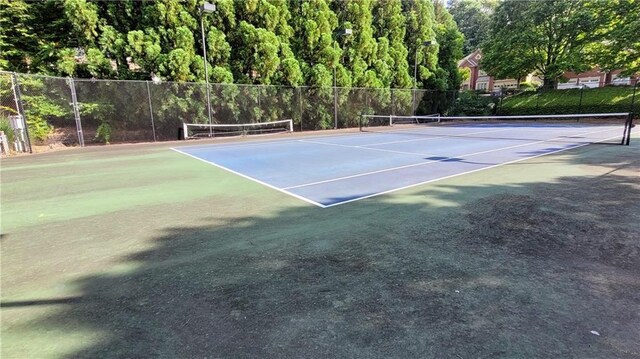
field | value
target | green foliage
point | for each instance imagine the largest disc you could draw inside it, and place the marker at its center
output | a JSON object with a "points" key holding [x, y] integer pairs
{"points": [[104, 131], [548, 37], [620, 48], [5, 126], [470, 103], [83, 17], [281, 42], [473, 18], [389, 23], [15, 34], [528, 86], [46, 103], [450, 41], [314, 23], [260, 42], [420, 28]]}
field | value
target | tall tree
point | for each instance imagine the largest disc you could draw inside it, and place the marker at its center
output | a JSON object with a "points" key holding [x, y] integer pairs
{"points": [[390, 32], [548, 37], [263, 39], [361, 48], [420, 28], [16, 36], [450, 41], [473, 18], [620, 44]]}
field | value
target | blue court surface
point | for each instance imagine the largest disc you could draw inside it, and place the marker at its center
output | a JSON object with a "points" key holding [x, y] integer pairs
{"points": [[331, 170]]}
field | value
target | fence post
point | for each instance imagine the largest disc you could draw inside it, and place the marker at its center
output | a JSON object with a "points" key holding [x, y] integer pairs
{"points": [[18, 98], [413, 101], [633, 98], [259, 113], [393, 102], [76, 110], [153, 125], [300, 106], [335, 104], [580, 103]]}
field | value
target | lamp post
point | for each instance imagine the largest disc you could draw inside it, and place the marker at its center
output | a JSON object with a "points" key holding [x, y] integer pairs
{"points": [[344, 32], [415, 73], [206, 8]]}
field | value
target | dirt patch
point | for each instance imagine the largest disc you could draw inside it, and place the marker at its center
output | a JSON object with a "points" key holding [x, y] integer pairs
{"points": [[586, 217]]}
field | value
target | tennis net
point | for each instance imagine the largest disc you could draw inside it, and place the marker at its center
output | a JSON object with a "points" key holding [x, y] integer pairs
{"points": [[598, 127], [199, 130]]}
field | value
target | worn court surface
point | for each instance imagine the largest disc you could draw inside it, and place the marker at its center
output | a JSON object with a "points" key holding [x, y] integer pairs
{"points": [[137, 251], [332, 170]]}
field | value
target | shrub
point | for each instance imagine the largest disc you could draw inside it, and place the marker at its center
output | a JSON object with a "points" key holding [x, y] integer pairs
{"points": [[528, 86], [5, 126], [103, 132], [471, 103]]}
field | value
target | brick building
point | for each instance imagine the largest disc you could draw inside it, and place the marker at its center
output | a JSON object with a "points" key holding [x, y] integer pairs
{"points": [[480, 80]]}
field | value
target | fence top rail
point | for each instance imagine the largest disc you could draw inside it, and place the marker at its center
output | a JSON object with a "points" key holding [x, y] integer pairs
{"points": [[80, 79]]}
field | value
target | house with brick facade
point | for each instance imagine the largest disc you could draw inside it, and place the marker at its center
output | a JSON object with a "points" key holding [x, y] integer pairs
{"points": [[481, 81]]}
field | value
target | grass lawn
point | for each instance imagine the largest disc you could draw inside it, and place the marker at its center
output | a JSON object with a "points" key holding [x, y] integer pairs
{"points": [[596, 100]]}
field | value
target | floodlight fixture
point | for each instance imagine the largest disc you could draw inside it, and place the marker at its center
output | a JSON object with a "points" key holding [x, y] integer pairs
{"points": [[208, 7]]}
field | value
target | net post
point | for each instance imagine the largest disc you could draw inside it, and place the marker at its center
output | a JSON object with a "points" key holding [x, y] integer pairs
{"points": [[290, 125], [628, 128], [390, 120], [185, 131]]}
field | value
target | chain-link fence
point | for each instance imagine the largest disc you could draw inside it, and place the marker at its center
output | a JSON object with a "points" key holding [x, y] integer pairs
{"points": [[13, 129], [88, 111]]}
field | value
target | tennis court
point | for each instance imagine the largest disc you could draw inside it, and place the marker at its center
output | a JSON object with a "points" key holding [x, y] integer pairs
{"points": [[332, 170], [140, 251]]}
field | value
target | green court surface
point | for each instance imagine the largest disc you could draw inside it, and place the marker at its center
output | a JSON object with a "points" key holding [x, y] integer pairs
{"points": [[138, 251]]}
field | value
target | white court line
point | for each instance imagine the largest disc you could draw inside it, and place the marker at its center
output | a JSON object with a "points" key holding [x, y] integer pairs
{"points": [[464, 173], [251, 178], [430, 138], [451, 135], [392, 190], [365, 148], [430, 162]]}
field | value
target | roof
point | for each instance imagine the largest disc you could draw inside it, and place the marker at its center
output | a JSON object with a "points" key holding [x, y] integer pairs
{"points": [[471, 60]]}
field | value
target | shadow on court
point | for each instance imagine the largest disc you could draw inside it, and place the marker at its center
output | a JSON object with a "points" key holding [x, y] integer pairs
{"points": [[449, 270]]}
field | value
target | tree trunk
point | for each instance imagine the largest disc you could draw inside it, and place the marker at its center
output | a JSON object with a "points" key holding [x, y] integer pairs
{"points": [[607, 78], [549, 84]]}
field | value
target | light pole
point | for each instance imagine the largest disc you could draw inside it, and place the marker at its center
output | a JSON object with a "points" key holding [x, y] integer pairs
{"points": [[415, 74], [206, 8], [344, 32]]}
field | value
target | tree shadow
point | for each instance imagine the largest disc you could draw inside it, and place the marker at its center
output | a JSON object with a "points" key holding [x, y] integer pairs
{"points": [[501, 271]]}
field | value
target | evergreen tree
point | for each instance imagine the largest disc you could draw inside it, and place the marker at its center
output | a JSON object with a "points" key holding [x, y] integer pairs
{"points": [[315, 23], [420, 25], [16, 36], [389, 23], [361, 47], [450, 44]]}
